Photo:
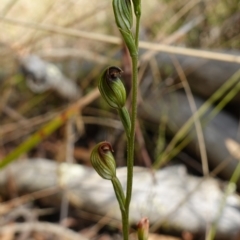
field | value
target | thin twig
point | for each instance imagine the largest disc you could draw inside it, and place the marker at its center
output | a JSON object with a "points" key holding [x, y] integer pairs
{"points": [[182, 31], [115, 40], [69, 159]]}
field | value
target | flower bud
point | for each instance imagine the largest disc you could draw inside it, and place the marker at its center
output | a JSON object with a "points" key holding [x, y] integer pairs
{"points": [[143, 229], [124, 19], [103, 161], [112, 88], [123, 14]]}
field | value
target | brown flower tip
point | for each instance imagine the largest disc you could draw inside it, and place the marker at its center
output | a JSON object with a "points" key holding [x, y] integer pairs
{"points": [[113, 73]]}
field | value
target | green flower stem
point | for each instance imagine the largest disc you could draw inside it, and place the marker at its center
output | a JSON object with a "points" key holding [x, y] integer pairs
{"points": [[137, 30], [123, 18], [119, 193], [130, 147], [126, 121], [121, 201]]}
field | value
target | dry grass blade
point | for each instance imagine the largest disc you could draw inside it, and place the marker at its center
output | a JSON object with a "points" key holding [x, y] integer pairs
{"points": [[62, 30], [115, 40], [196, 119], [49, 128], [174, 37], [174, 147], [190, 52]]}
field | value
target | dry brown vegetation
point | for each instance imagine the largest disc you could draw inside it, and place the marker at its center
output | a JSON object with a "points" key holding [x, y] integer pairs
{"points": [[80, 37]]}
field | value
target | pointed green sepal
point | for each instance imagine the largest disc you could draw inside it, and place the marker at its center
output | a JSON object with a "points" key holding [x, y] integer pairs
{"points": [[129, 41]]}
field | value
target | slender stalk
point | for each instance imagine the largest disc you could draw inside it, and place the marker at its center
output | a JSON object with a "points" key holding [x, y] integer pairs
{"points": [[137, 31], [130, 143], [121, 200], [131, 140], [130, 155], [125, 226], [119, 193], [125, 119]]}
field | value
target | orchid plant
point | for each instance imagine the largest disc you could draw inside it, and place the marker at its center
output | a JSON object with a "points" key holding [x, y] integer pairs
{"points": [[113, 91]]}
